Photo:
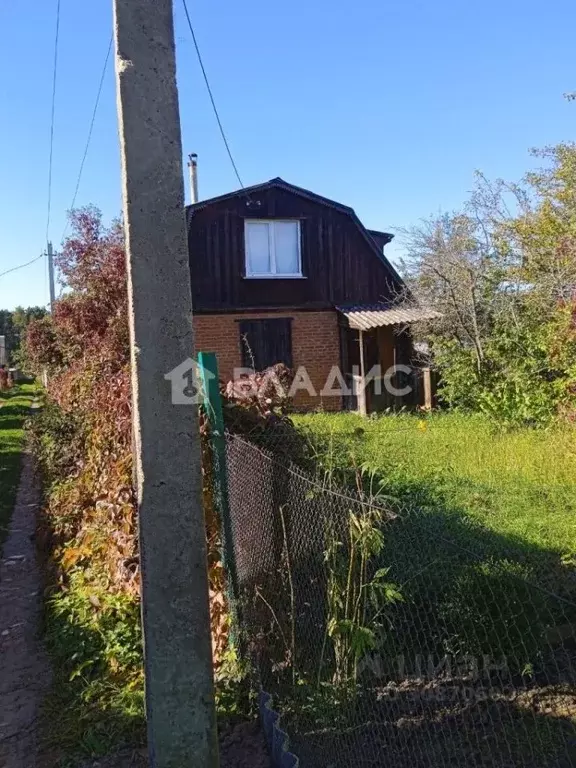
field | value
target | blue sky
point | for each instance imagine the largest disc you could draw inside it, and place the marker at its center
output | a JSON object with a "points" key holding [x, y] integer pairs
{"points": [[386, 106]]}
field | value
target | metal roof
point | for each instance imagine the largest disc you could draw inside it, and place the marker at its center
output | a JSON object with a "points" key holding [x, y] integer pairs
{"points": [[365, 317], [276, 182]]}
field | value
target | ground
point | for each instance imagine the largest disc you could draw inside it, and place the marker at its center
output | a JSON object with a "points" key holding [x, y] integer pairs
{"points": [[483, 517], [521, 484], [14, 409], [481, 542], [24, 670], [241, 746]]}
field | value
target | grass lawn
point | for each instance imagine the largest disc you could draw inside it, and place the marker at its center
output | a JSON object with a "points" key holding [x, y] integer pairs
{"points": [[14, 409], [483, 543], [482, 549], [519, 484]]}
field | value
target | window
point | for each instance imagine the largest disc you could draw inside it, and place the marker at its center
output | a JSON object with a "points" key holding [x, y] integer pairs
{"points": [[266, 342], [272, 248]]}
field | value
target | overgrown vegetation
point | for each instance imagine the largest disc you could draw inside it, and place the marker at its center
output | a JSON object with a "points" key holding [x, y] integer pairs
{"points": [[503, 273], [14, 409], [357, 595], [316, 596], [83, 439]]}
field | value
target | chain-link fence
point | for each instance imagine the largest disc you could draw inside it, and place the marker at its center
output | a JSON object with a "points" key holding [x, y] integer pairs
{"points": [[397, 638]]}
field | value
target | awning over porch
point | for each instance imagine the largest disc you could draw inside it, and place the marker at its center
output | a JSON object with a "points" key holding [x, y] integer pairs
{"points": [[364, 317]]}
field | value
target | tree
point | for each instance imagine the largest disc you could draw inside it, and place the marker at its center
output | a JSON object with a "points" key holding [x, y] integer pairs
{"points": [[453, 265], [13, 326], [90, 322], [503, 273], [7, 328]]}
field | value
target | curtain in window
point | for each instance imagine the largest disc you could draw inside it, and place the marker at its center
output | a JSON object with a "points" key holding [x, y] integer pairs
{"points": [[258, 248], [286, 247]]}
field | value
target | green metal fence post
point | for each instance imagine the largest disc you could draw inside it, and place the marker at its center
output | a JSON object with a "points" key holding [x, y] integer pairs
{"points": [[208, 366]]}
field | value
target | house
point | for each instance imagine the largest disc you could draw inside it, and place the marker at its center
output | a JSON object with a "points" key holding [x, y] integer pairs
{"points": [[281, 274]]}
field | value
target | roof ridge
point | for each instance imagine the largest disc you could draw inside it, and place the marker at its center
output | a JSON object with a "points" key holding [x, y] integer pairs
{"points": [[280, 182]]}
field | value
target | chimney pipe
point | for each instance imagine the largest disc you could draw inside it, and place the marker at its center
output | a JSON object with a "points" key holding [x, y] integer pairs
{"points": [[193, 170]]}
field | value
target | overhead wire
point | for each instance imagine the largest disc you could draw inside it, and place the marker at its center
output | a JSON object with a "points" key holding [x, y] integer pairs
{"points": [[90, 129], [21, 266], [211, 95]]}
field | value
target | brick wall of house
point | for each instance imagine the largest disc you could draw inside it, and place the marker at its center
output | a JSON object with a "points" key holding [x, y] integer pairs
{"points": [[315, 345]]}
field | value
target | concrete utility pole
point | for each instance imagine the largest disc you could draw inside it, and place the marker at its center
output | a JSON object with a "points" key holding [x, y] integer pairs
{"points": [[175, 614], [51, 276]]}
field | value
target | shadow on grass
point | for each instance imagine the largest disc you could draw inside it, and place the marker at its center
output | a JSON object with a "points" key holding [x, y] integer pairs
{"points": [[471, 591], [12, 417], [486, 734], [475, 665], [11, 422], [16, 391]]}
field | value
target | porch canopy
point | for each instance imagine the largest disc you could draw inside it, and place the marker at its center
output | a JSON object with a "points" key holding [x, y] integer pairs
{"points": [[364, 317], [376, 334]]}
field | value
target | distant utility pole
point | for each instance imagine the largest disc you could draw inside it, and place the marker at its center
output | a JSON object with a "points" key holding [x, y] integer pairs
{"points": [[180, 707], [51, 276]]}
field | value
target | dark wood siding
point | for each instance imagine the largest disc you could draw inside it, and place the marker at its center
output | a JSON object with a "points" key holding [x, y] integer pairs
{"points": [[338, 262]]}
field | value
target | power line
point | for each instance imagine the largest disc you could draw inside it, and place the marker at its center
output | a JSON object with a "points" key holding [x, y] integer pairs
{"points": [[91, 128], [224, 139], [20, 266], [56, 38]]}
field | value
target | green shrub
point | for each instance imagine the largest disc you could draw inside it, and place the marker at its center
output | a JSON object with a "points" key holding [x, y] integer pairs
{"points": [[95, 642]]}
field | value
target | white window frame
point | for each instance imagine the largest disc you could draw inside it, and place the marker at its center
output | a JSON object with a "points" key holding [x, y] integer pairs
{"points": [[272, 275]]}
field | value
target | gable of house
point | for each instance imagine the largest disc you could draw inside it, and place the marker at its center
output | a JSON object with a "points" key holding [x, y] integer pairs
{"points": [[337, 261]]}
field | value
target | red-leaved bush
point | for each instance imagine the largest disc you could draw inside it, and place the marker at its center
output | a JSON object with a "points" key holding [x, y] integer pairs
{"points": [[264, 392], [84, 346], [84, 440]]}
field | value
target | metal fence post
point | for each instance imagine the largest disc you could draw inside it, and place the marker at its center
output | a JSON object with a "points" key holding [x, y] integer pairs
{"points": [[208, 366]]}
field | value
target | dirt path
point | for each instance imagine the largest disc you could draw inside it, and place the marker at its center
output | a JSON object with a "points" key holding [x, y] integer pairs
{"points": [[241, 746], [24, 670]]}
